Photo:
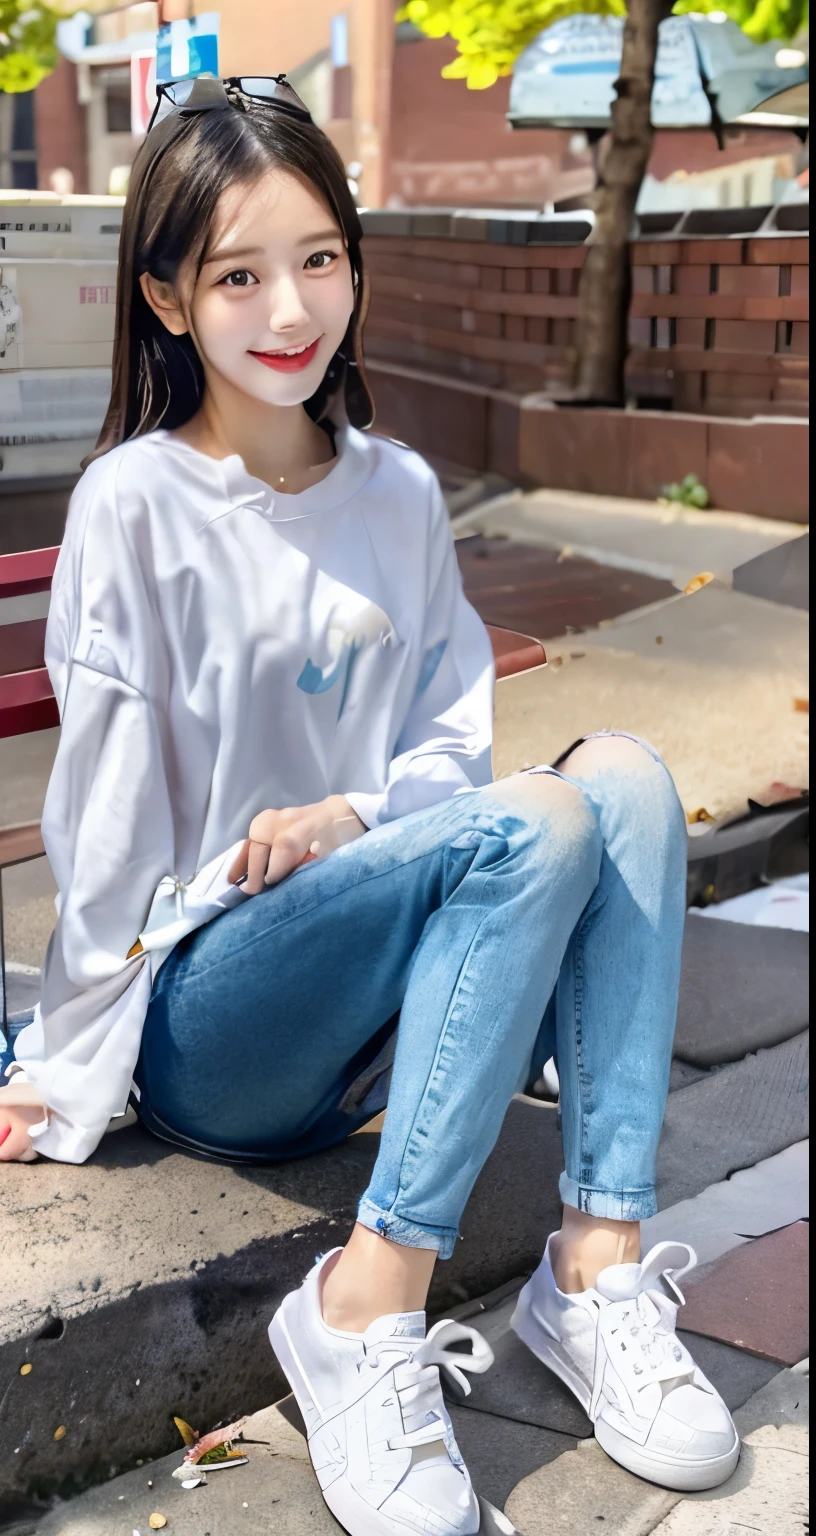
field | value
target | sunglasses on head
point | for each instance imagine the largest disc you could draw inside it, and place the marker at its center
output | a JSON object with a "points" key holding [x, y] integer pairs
{"points": [[203, 93]]}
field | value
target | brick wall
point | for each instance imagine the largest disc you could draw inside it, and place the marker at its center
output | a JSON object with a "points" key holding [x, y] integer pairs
{"points": [[59, 127], [716, 326]]}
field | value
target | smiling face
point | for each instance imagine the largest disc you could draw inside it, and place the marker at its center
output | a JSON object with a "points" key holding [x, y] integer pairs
{"points": [[272, 302]]}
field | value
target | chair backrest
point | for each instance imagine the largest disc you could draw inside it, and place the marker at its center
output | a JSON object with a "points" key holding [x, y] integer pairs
{"points": [[27, 700]]}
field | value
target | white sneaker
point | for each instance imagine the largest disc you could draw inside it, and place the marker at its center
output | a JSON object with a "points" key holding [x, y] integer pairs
{"points": [[380, 1438], [615, 1346]]}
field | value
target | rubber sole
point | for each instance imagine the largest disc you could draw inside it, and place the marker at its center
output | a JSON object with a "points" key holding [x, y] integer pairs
{"points": [[690, 1477], [693, 1477], [353, 1513]]}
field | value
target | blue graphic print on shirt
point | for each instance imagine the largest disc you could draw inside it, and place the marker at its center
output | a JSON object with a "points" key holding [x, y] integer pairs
{"points": [[430, 663]]}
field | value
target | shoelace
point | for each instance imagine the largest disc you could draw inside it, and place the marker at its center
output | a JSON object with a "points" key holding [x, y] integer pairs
{"points": [[416, 1378], [659, 1347]]}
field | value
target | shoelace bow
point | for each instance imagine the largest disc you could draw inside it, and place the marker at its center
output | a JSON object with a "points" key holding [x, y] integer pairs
{"points": [[416, 1378]]}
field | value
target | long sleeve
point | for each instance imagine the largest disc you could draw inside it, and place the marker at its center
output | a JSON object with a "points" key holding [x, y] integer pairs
{"points": [[444, 745], [108, 831]]}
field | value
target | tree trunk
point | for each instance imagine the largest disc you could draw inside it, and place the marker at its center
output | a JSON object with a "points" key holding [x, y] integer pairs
{"points": [[605, 288]]}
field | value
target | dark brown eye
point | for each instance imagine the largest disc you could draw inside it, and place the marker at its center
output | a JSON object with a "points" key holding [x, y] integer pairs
{"points": [[320, 259], [240, 279]]}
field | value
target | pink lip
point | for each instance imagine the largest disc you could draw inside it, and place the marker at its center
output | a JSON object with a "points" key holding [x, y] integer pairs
{"points": [[287, 364]]}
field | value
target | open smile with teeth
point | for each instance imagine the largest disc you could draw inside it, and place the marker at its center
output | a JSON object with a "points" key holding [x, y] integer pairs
{"points": [[289, 357]]}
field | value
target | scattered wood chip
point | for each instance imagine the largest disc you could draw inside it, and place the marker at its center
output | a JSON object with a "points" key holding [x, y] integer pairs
{"points": [[701, 814], [59, 1434], [802, 706], [698, 581]]}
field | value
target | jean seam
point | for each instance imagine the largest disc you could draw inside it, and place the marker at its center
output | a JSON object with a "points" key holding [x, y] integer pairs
{"points": [[416, 1129], [585, 1163]]}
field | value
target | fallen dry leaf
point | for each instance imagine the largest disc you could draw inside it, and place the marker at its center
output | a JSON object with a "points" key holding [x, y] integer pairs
{"points": [[698, 581], [188, 1435], [802, 706], [699, 815]]}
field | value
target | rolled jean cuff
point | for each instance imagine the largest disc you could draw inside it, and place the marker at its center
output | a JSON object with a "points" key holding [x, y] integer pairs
{"points": [[409, 1233], [611, 1204]]}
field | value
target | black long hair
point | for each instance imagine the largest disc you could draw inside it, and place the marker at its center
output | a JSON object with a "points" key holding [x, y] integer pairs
{"points": [[178, 176]]}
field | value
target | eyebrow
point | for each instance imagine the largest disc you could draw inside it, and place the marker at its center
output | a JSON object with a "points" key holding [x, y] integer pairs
{"points": [[228, 254], [321, 234]]}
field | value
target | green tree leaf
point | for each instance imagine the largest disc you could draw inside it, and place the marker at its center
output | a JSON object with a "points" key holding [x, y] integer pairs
{"points": [[28, 43], [490, 34]]}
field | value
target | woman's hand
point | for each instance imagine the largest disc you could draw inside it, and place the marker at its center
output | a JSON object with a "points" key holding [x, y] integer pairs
{"points": [[281, 840], [15, 1124]]}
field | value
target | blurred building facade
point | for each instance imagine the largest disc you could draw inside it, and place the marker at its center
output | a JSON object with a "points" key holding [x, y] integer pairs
{"points": [[411, 138]]}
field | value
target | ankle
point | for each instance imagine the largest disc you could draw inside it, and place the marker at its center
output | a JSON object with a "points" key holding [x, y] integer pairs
{"points": [[585, 1246], [372, 1278]]}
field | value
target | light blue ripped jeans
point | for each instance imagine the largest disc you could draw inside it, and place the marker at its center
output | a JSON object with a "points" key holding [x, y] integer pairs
{"points": [[470, 923]]}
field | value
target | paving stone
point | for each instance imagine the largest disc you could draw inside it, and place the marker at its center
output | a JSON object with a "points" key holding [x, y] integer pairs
{"points": [[733, 1118], [715, 697], [736, 1374], [541, 593], [783, 904], [673, 542], [683, 1073], [756, 1297], [782, 575], [281, 1496], [753, 1201], [572, 1495], [742, 988], [500, 1452], [785, 1400]]}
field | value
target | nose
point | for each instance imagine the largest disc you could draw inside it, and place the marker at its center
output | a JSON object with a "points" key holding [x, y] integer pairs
{"points": [[287, 311]]}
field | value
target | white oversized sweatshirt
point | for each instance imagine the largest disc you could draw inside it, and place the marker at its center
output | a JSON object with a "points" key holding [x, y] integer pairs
{"points": [[217, 649]]}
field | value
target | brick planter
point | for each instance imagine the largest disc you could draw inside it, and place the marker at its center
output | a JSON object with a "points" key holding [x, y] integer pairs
{"points": [[468, 340]]}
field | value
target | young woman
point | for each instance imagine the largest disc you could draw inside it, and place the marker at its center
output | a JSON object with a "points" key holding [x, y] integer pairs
{"points": [[273, 827]]}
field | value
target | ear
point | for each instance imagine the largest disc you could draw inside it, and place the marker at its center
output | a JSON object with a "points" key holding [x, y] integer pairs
{"points": [[163, 301]]}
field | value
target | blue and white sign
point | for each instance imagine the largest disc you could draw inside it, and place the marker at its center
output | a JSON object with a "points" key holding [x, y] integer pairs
{"points": [[567, 76], [189, 47]]}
